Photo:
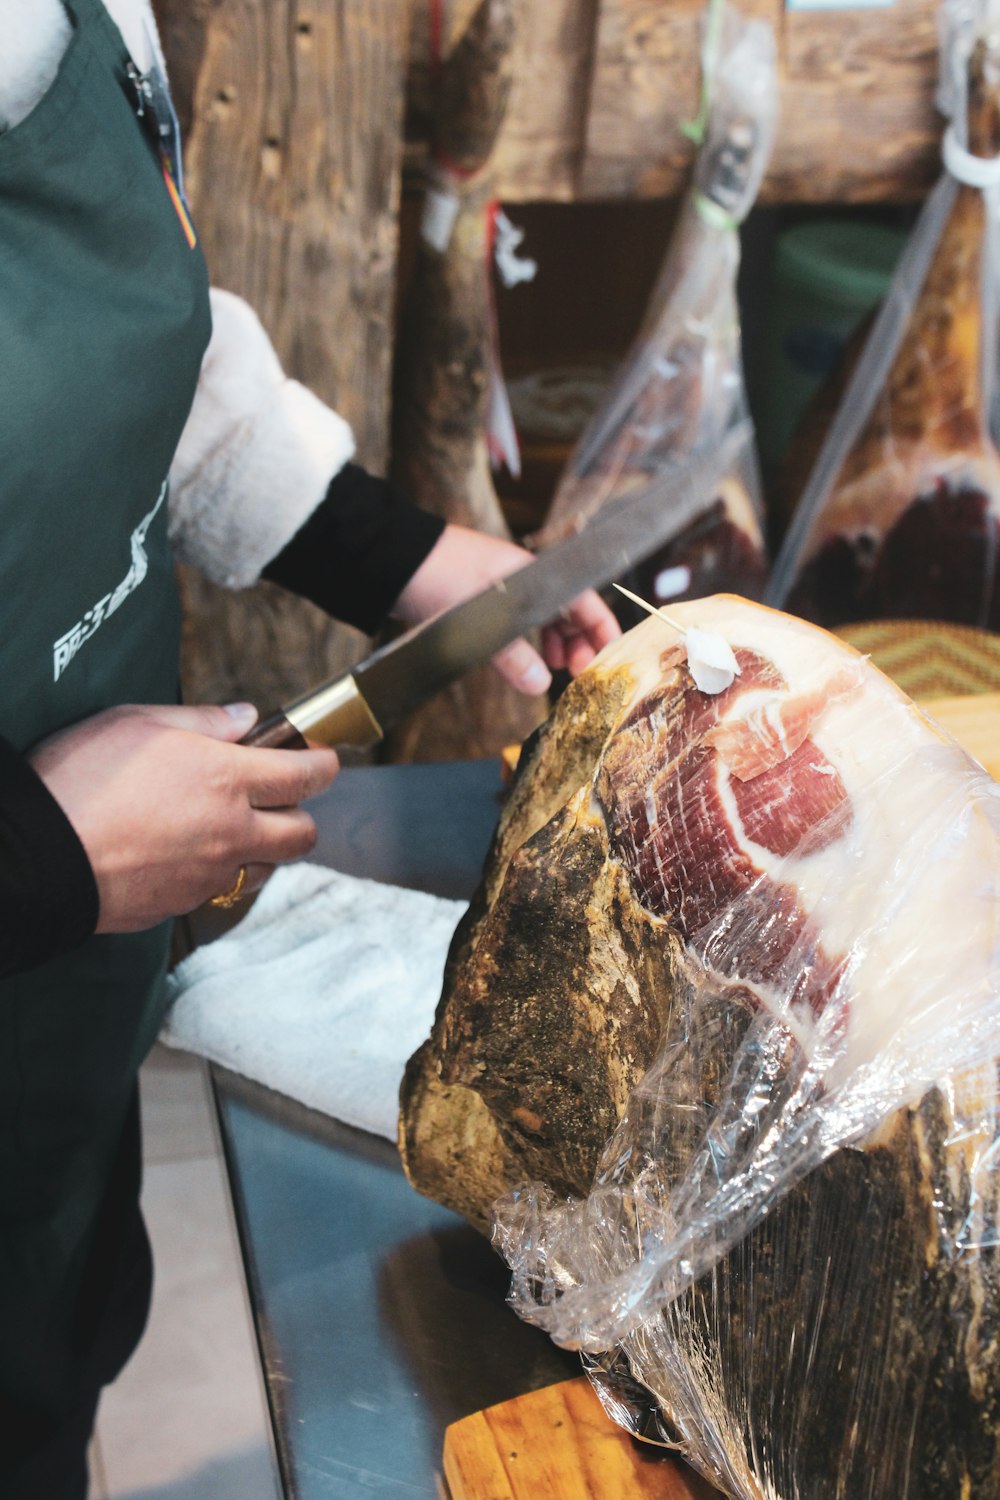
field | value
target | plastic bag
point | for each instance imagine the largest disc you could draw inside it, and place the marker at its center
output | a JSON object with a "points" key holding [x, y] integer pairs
{"points": [[768, 918], [680, 392], [900, 517]]}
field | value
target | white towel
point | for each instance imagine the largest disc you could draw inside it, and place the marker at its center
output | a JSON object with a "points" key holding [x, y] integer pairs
{"points": [[322, 992]]}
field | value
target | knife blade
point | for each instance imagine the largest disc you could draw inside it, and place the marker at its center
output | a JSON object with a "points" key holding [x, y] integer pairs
{"points": [[357, 707]]}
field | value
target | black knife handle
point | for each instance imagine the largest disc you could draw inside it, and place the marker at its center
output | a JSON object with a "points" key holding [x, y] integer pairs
{"points": [[276, 732]]}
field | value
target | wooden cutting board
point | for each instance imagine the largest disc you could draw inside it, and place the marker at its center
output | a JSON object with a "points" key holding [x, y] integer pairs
{"points": [[559, 1444]]}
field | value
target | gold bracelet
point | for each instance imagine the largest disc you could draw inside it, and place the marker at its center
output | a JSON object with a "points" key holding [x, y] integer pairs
{"points": [[230, 898]]}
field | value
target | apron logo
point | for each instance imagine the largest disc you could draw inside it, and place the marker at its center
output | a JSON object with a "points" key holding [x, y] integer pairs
{"points": [[69, 644]]}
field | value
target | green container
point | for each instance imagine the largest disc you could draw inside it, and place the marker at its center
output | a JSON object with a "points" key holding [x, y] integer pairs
{"points": [[827, 277]]}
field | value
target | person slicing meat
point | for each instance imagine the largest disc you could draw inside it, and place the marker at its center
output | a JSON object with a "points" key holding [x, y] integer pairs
{"points": [[144, 418]]}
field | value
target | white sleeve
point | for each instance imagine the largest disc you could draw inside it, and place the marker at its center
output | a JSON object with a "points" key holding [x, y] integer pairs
{"points": [[256, 457]]}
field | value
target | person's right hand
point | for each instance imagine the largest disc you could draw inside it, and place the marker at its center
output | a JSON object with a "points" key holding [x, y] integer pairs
{"points": [[168, 806]]}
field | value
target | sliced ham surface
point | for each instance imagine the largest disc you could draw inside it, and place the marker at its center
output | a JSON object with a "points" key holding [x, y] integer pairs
{"points": [[792, 825]]}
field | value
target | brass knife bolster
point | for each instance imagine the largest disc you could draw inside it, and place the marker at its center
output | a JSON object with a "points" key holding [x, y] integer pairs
{"points": [[335, 714]]}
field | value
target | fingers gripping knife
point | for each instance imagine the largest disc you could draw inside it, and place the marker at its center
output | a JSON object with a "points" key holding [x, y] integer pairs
{"points": [[355, 709]]}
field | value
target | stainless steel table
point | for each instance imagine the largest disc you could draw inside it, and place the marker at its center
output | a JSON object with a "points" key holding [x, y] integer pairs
{"points": [[380, 1316]]}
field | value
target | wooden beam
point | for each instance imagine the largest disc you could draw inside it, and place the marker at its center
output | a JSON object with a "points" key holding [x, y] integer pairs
{"points": [[602, 87]]}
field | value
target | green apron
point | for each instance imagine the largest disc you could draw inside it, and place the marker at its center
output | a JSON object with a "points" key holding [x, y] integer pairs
{"points": [[104, 319]]}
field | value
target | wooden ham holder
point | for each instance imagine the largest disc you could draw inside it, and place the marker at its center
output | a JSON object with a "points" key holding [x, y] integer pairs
{"points": [[975, 722], [559, 1444]]}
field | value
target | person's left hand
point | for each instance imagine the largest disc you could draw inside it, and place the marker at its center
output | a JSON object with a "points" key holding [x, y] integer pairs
{"points": [[463, 563]]}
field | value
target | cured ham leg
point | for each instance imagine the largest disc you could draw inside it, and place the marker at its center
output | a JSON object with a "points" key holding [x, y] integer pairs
{"points": [[680, 392], [728, 996], [441, 395], [912, 523]]}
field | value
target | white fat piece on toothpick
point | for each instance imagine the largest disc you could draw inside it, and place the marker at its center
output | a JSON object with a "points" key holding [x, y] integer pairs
{"points": [[710, 657]]}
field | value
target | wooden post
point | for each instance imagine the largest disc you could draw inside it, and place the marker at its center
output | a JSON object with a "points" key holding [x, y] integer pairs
{"points": [[293, 158]]}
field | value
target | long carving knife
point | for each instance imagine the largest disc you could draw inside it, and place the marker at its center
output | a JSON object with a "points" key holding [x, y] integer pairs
{"points": [[357, 708]]}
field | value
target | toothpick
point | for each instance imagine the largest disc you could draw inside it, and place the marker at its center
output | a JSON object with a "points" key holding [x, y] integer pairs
{"points": [[711, 660], [650, 609]]}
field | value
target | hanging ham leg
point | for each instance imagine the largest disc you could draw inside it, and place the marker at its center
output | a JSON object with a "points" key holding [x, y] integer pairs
{"points": [[440, 452], [910, 529], [680, 393]]}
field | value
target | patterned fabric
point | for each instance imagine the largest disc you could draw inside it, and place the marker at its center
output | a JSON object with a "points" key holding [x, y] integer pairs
{"points": [[930, 659]]}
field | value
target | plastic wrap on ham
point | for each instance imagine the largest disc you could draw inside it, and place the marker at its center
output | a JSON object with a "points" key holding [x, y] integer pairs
{"points": [[901, 515], [680, 393], [718, 1051]]}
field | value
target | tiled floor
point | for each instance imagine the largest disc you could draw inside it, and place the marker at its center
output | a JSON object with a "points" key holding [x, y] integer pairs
{"points": [[187, 1420]]}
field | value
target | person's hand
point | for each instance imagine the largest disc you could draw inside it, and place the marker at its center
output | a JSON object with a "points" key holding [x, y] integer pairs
{"points": [[465, 562], [168, 807]]}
